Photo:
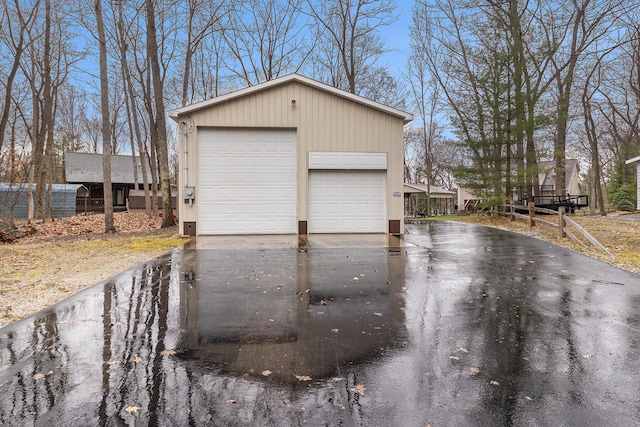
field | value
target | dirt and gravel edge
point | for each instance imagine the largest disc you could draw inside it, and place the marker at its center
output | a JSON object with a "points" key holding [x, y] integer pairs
{"points": [[62, 258]]}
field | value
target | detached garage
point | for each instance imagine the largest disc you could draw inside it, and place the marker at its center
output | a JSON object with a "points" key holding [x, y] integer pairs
{"points": [[289, 156]]}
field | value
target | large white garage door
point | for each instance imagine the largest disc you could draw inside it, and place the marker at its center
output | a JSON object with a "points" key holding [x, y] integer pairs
{"points": [[247, 181], [347, 201]]}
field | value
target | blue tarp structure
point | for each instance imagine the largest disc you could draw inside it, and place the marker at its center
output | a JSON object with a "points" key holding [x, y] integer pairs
{"points": [[14, 197]]}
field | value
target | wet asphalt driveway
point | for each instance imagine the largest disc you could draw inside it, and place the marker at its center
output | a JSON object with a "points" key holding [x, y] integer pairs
{"points": [[460, 326]]}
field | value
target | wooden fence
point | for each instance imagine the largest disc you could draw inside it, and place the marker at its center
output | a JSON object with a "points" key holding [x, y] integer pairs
{"points": [[564, 224]]}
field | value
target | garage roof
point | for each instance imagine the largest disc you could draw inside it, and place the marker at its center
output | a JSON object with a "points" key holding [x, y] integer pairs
{"points": [[175, 114], [631, 161], [436, 192], [87, 167]]}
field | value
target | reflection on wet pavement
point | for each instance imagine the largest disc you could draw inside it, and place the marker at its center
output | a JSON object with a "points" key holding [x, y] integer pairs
{"points": [[463, 325], [292, 313]]}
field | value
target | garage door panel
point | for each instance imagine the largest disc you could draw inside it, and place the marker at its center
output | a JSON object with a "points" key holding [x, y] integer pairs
{"points": [[347, 201], [247, 181]]}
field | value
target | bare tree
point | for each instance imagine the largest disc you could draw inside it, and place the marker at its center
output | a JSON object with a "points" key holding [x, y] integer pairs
{"points": [[618, 103], [109, 226], [425, 95], [203, 19], [16, 41], [591, 132], [585, 24], [125, 42], [348, 39], [71, 110], [470, 63], [40, 80], [265, 40], [207, 77], [160, 116]]}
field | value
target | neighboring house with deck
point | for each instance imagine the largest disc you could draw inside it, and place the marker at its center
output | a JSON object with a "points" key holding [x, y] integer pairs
{"points": [[547, 178], [86, 169]]}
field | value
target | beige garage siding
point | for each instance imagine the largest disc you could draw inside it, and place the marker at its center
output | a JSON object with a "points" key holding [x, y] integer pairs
{"points": [[324, 121]]}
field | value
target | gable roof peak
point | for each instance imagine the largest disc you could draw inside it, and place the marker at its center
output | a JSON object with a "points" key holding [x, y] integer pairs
{"points": [[176, 113]]}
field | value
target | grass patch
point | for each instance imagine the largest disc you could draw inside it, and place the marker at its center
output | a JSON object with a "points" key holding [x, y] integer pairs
{"points": [[630, 257], [143, 244], [140, 244]]}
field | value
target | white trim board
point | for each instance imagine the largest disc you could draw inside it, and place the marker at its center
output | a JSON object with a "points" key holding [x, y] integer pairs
{"points": [[347, 161]]}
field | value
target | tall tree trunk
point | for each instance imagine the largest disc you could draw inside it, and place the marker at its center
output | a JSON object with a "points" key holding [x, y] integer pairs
{"points": [[37, 146], [151, 152], [188, 56], [134, 125], [161, 124], [109, 226], [46, 120], [560, 142], [519, 64]]}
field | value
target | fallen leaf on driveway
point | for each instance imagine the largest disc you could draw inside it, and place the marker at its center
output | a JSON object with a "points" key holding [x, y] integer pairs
{"points": [[230, 401], [355, 279], [136, 358], [586, 356], [132, 409], [464, 350], [168, 352], [359, 388], [266, 373], [475, 370], [378, 314], [336, 330], [303, 377], [494, 382], [454, 358], [38, 376], [528, 398]]}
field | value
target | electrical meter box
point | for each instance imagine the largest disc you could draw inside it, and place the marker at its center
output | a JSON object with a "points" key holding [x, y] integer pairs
{"points": [[189, 194]]}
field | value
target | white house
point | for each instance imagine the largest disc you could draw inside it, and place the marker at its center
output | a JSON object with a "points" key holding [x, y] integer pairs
{"points": [[547, 177], [636, 160]]}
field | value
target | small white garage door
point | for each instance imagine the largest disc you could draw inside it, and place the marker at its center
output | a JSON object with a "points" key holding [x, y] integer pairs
{"points": [[347, 201], [247, 181]]}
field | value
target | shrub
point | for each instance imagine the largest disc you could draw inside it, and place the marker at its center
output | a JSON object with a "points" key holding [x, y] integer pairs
{"points": [[624, 198]]}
